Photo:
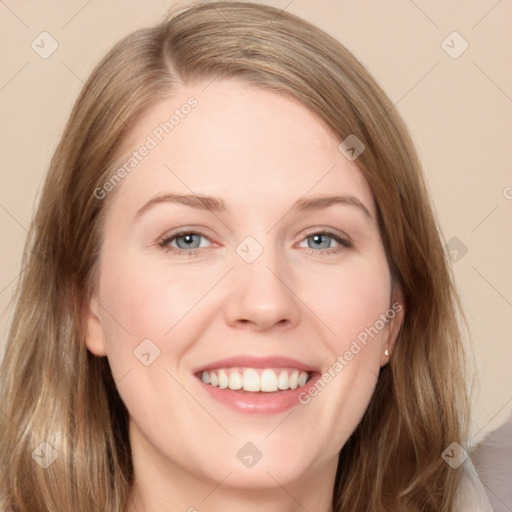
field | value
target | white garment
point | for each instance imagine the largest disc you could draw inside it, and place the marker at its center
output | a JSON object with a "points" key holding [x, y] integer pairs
{"points": [[471, 495], [492, 458]]}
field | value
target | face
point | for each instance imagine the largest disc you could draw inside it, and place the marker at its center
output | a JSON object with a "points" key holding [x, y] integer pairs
{"points": [[247, 281]]}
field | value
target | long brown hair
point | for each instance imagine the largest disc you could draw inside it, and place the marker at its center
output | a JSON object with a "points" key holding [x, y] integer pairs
{"points": [[54, 391]]}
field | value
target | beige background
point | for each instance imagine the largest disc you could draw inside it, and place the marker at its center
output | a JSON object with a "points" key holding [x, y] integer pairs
{"points": [[459, 111]]}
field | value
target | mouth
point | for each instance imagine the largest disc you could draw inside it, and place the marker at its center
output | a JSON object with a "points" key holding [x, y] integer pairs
{"points": [[256, 385], [255, 380]]}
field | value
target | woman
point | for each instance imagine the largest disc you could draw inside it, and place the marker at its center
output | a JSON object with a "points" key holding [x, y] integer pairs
{"points": [[304, 355]]}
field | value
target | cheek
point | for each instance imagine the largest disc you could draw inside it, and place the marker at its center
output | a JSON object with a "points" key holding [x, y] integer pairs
{"points": [[149, 301], [350, 300], [145, 294], [149, 326], [170, 306]]}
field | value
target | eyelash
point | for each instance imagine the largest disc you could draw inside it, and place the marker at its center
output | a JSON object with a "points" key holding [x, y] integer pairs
{"points": [[344, 243]]}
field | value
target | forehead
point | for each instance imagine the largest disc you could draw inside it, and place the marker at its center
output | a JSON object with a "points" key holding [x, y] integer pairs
{"points": [[244, 143]]}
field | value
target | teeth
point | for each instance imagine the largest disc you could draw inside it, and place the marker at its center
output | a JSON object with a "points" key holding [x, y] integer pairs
{"points": [[283, 381], [223, 379], [268, 381], [250, 379], [294, 379], [235, 381]]}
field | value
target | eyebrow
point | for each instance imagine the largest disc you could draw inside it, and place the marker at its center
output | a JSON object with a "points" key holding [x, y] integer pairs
{"points": [[216, 204]]}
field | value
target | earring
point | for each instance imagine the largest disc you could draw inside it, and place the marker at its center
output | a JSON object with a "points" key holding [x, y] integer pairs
{"points": [[386, 353]]}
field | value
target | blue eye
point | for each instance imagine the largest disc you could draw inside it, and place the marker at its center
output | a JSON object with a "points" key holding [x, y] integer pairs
{"points": [[321, 243], [187, 243]]}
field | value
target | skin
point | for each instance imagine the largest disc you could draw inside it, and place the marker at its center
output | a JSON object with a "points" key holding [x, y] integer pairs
{"points": [[260, 152]]}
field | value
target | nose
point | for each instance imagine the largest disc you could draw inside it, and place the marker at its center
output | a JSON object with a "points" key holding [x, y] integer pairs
{"points": [[261, 296]]}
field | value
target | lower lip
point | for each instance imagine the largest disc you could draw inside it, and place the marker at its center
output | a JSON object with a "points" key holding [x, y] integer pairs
{"points": [[258, 403]]}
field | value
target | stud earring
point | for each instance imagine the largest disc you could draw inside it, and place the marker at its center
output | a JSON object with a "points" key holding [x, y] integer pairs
{"points": [[386, 353]]}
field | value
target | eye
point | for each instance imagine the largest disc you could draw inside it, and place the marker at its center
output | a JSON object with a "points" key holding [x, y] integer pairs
{"points": [[183, 242], [188, 243], [322, 243]]}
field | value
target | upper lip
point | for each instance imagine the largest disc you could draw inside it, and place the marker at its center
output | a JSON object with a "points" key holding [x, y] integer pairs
{"points": [[257, 362]]}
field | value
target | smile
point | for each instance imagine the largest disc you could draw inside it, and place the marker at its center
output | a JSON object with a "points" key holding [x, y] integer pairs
{"points": [[256, 384], [256, 380]]}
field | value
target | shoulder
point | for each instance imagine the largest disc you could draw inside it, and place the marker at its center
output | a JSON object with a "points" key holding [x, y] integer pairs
{"points": [[471, 495], [492, 458]]}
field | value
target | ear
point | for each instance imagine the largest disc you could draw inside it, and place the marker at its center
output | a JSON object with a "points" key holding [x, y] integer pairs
{"points": [[94, 339], [395, 313]]}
